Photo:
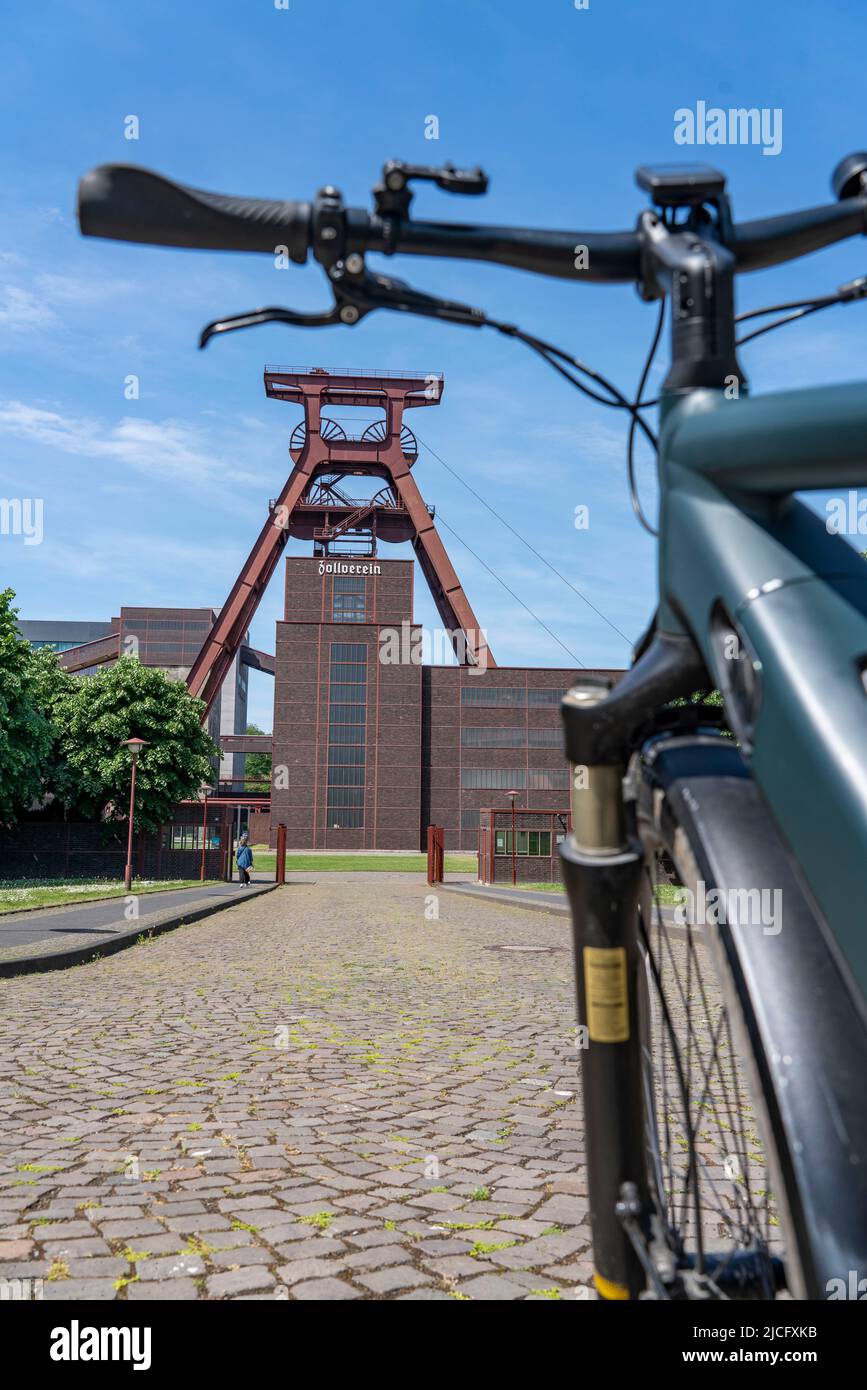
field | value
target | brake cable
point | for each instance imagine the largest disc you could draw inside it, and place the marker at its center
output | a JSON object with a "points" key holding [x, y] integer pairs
{"points": [[550, 353], [630, 445], [801, 308]]}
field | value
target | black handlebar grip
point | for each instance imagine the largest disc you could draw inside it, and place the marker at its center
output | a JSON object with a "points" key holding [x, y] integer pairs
{"points": [[126, 203]]}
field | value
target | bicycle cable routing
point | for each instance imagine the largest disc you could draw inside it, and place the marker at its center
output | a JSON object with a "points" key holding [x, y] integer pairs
{"points": [[390, 293], [685, 242]]}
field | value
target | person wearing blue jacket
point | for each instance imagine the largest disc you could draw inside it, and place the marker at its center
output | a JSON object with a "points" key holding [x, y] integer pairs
{"points": [[244, 859]]}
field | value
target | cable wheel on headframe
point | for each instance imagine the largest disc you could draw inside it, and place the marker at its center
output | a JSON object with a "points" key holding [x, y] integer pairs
{"points": [[408, 442], [330, 430]]}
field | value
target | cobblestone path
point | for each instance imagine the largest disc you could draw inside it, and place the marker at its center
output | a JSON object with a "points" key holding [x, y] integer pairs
{"points": [[321, 1094]]}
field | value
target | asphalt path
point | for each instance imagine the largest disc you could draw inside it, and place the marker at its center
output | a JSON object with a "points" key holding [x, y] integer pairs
{"points": [[101, 919]]}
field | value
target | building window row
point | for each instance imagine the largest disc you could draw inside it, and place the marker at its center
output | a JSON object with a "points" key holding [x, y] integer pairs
{"points": [[347, 714], [190, 837], [351, 672], [484, 737], [347, 733], [344, 775], [343, 801], [142, 626], [519, 779], [532, 842], [349, 651], [355, 694], [156, 644], [346, 755], [515, 696]]}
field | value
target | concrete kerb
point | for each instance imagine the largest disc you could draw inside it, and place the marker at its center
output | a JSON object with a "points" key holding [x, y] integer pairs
{"points": [[514, 897], [556, 903]]}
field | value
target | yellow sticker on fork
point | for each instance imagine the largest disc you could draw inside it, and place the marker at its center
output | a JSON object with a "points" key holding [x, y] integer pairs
{"points": [[606, 993]]}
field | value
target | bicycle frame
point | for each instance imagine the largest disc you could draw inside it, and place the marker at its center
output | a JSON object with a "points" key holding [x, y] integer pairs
{"points": [[759, 598], [734, 540]]}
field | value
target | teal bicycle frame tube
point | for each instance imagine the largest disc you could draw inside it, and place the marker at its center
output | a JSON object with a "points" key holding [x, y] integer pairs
{"points": [[733, 534]]}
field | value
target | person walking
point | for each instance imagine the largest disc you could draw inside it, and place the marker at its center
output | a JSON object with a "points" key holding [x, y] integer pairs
{"points": [[244, 859]]}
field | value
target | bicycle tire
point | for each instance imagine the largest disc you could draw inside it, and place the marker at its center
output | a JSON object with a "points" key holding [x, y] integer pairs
{"points": [[795, 1017]]}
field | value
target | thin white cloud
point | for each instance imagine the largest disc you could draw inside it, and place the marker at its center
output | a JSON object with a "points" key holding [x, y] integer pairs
{"points": [[587, 439], [31, 303], [22, 311], [149, 564], [73, 289], [158, 448]]}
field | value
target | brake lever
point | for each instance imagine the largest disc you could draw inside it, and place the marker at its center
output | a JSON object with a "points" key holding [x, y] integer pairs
{"points": [[274, 314], [357, 292]]}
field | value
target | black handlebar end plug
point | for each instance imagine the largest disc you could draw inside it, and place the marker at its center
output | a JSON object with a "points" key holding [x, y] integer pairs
{"points": [[849, 179]]}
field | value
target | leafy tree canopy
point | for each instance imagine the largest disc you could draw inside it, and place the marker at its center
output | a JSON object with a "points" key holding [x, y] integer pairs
{"points": [[257, 765], [129, 700], [25, 731], [51, 686]]}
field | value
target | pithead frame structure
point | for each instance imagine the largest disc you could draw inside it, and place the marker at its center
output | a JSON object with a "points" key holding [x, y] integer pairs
{"points": [[312, 505]]}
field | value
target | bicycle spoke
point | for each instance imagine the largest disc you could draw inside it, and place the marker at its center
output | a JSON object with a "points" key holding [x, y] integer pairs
{"points": [[701, 1142]]}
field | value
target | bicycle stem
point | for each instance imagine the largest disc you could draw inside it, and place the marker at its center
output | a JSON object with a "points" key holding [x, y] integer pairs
{"points": [[697, 273]]}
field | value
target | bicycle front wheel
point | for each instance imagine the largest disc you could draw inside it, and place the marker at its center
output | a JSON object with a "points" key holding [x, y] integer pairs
{"points": [[754, 1047]]}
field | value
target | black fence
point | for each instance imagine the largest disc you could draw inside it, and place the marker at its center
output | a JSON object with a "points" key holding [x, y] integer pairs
{"points": [[38, 849]]}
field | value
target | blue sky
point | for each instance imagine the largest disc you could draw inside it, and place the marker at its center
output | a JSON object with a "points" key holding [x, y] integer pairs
{"points": [[157, 501]]}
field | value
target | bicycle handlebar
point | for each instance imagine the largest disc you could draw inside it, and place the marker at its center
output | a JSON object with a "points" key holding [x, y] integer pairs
{"points": [[693, 260], [127, 203], [773, 240]]}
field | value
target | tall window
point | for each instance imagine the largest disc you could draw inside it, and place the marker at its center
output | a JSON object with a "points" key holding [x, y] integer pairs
{"points": [[346, 734], [348, 599]]}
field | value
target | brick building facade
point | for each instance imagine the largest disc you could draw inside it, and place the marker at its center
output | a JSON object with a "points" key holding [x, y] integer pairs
{"points": [[370, 746]]}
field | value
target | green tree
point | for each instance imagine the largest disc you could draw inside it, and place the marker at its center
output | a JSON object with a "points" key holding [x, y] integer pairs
{"points": [[128, 700], [257, 765], [25, 732], [51, 686]]}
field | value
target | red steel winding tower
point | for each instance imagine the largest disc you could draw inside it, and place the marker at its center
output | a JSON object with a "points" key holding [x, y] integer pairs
{"points": [[316, 505]]}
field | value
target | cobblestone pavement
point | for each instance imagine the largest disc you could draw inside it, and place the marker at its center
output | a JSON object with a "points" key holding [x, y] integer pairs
{"points": [[319, 1094]]}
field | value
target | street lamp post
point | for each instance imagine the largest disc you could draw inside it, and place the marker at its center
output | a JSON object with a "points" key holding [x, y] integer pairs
{"points": [[205, 789], [135, 745], [512, 796]]}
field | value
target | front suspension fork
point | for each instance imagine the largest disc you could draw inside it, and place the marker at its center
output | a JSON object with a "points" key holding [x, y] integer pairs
{"points": [[602, 868], [602, 871]]}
